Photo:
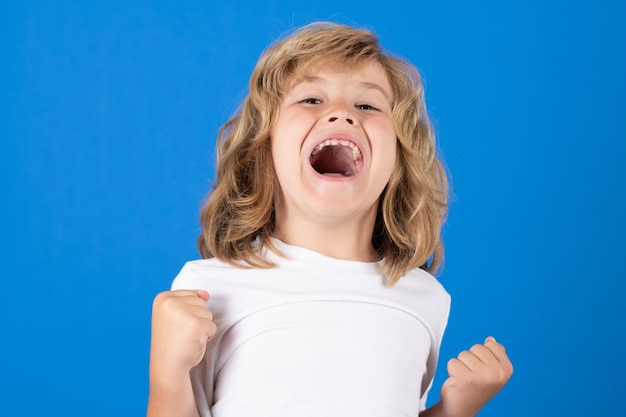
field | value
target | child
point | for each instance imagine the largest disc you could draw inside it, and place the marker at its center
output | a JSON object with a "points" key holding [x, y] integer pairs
{"points": [[319, 235]]}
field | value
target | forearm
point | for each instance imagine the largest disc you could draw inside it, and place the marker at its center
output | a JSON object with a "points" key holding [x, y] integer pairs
{"points": [[171, 395]]}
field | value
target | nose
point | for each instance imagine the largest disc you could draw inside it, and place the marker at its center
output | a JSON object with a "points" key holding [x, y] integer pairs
{"points": [[341, 111], [335, 118]]}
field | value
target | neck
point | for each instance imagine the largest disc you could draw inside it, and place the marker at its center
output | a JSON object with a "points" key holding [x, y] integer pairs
{"points": [[349, 240]]}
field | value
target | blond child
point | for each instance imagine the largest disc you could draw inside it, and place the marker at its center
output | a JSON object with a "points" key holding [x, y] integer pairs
{"points": [[319, 240]]}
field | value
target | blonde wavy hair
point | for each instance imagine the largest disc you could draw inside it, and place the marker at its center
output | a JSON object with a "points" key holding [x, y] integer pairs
{"points": [[412, 208]]}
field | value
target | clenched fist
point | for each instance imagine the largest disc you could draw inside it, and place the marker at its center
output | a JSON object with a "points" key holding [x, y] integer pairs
{"points": [[474, 377], [181, 328]]}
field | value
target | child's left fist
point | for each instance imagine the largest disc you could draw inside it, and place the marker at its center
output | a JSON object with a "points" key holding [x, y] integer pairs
{"points": [[475, 376]]}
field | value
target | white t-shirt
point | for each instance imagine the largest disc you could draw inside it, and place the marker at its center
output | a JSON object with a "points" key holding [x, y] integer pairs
{"points": [[316, 336]]}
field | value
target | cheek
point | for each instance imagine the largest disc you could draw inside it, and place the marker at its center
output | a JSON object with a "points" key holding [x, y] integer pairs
{"points": [[390, 159], [279, 159], [286, 161], [388, 147]]}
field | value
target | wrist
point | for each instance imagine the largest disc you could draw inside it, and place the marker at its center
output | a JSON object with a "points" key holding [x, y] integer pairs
{"points": [[171, 394], [167, 374]]}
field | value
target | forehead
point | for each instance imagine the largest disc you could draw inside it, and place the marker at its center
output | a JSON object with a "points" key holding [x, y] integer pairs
{"points": [[370, 74]]}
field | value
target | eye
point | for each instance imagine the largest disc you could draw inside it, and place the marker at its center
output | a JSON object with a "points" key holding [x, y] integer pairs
{"points": [[311, 100], [366, 107]]}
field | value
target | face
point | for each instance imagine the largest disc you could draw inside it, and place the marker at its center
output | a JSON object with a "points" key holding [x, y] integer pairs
{"points": [[334, 144]]}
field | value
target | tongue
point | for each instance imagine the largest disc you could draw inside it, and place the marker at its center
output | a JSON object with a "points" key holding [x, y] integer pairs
{"points": [[334, 161]]}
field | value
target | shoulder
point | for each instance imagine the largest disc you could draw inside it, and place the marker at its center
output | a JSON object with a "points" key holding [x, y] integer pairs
{"points": [[197, 274], [422, 281], [425, 296]]}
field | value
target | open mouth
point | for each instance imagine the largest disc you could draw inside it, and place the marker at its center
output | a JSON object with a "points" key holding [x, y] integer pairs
{"points": [[336, 158]]}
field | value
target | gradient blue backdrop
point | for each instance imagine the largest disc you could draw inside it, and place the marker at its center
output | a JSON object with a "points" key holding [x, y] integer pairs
{"points": [[108, 116]]}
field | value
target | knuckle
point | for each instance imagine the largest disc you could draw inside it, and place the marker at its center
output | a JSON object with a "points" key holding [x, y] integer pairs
{"points": [[453, 364], [464, 354], [476, 347], [212, 330], [169, 303], [507, 371], [498, 377], [195, 326], [160, 298]]}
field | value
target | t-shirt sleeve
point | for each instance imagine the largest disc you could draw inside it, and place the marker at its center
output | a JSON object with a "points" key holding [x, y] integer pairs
{"points": [[437, 311]]}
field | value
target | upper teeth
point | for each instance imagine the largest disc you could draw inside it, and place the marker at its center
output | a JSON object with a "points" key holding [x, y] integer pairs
{"points": [[356, 152]]}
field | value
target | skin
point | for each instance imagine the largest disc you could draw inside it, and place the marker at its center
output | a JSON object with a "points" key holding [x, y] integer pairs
{"points": [[181, 329], [329, 214], [474, 377], [333, 216]]}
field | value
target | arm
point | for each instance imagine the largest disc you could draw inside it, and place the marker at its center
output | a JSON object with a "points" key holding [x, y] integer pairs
{"points": [[181, 328], [474, 377]]}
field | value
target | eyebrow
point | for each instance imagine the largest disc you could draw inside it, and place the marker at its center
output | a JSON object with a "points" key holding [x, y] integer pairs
{"points": [[319, 80]]}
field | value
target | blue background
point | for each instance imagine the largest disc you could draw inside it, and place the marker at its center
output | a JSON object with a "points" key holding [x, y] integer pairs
{"points": [[108, 116]]}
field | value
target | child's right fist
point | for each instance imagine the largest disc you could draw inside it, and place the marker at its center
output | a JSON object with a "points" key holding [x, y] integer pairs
{"points": [[181, 328]]}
